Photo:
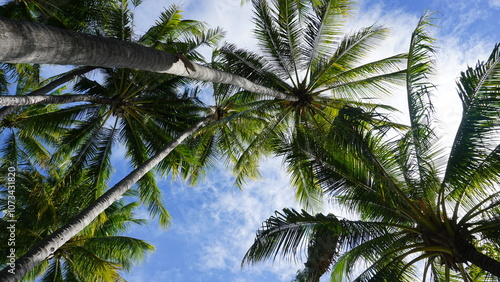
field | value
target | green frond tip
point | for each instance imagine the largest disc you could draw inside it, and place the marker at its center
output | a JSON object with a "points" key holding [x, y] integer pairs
{"points": [[289, 233]]}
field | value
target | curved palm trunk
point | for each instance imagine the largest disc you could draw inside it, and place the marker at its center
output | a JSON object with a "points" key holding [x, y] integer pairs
{"points": [[5, 111], [51, 243], [14, 100], [471, 254], [24, 42]]}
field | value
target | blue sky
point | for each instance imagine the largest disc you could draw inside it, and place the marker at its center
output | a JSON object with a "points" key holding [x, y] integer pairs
{"points": [[213, 223]]}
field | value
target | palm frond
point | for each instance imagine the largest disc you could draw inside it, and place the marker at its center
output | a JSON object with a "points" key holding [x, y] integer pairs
{"points": [[273, 35], [480, 93], [54, 271], [372, 251], [285, 233], [389, 68], [250, 65], [118, 22], [123, 250], [324, 27], [348, 54], [301, 169], [417, 146]]}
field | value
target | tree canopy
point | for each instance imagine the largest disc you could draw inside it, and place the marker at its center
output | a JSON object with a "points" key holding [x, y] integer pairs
{"points": [[308, 95], [413, 206]]}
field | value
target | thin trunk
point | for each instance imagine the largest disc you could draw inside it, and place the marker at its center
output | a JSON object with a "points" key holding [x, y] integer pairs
{"points": [[14, 100], [51, 243], [320, 252], [5, 111], [24, 42], [471, 254]]}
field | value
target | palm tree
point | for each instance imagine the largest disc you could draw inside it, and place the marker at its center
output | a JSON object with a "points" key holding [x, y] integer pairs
{"points": [[307, 56], [144, 109], [236, 119], [97, 253], [138, 108], [414, 207], [219, 134], [24, 149], [20, 45], [217, 139], [301, 40], [186, 67], [23, 134], [87, 15], [57, 238], [50, 85], [143, 114]]}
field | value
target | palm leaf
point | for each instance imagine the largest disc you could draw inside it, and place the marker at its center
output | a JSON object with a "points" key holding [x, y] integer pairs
{"points": [[479, 90], [349, 52], [285, 233], [270, 38], [122, 250], [324, 27], [417, 146], [250, 65], [149, 193], [307, 189]]}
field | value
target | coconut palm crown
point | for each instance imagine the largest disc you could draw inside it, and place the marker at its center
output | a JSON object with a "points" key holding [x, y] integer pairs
{"points": [[306, 54], [141, 110], [414, 205], [98, 253]]}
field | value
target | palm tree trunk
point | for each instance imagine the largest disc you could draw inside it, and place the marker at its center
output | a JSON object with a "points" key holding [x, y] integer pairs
{"points": [[5, 111], [320, 253], [51, 243], [471, 254], [24, 42], [14, 100]]}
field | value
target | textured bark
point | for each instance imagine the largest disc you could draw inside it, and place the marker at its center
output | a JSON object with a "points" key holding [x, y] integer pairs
{"points": [[51, 243], [5, 111], [14, 100], [23, 42], [320, 253], [469, 253]]}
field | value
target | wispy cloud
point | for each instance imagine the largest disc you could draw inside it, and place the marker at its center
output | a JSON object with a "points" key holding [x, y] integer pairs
{"points": [[495, 4], [213, 222], [228, 219], [229, 14]]}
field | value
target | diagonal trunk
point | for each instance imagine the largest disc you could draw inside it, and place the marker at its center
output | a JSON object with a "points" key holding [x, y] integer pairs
{"points": [[469, 253], [5, 111], [24, 42], [51, 243], [14, 100]]}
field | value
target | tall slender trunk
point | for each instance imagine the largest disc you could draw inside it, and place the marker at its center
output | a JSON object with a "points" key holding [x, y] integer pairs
{"points": [[15, 100], [5, 111], [24, 42], [54, 241]]}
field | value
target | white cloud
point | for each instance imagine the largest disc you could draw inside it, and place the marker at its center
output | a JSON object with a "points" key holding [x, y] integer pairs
{"points": [[229, 14], [220, 222], [494, 3], [215, 256], [214, 224], [453, 57], [233, 218]]}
